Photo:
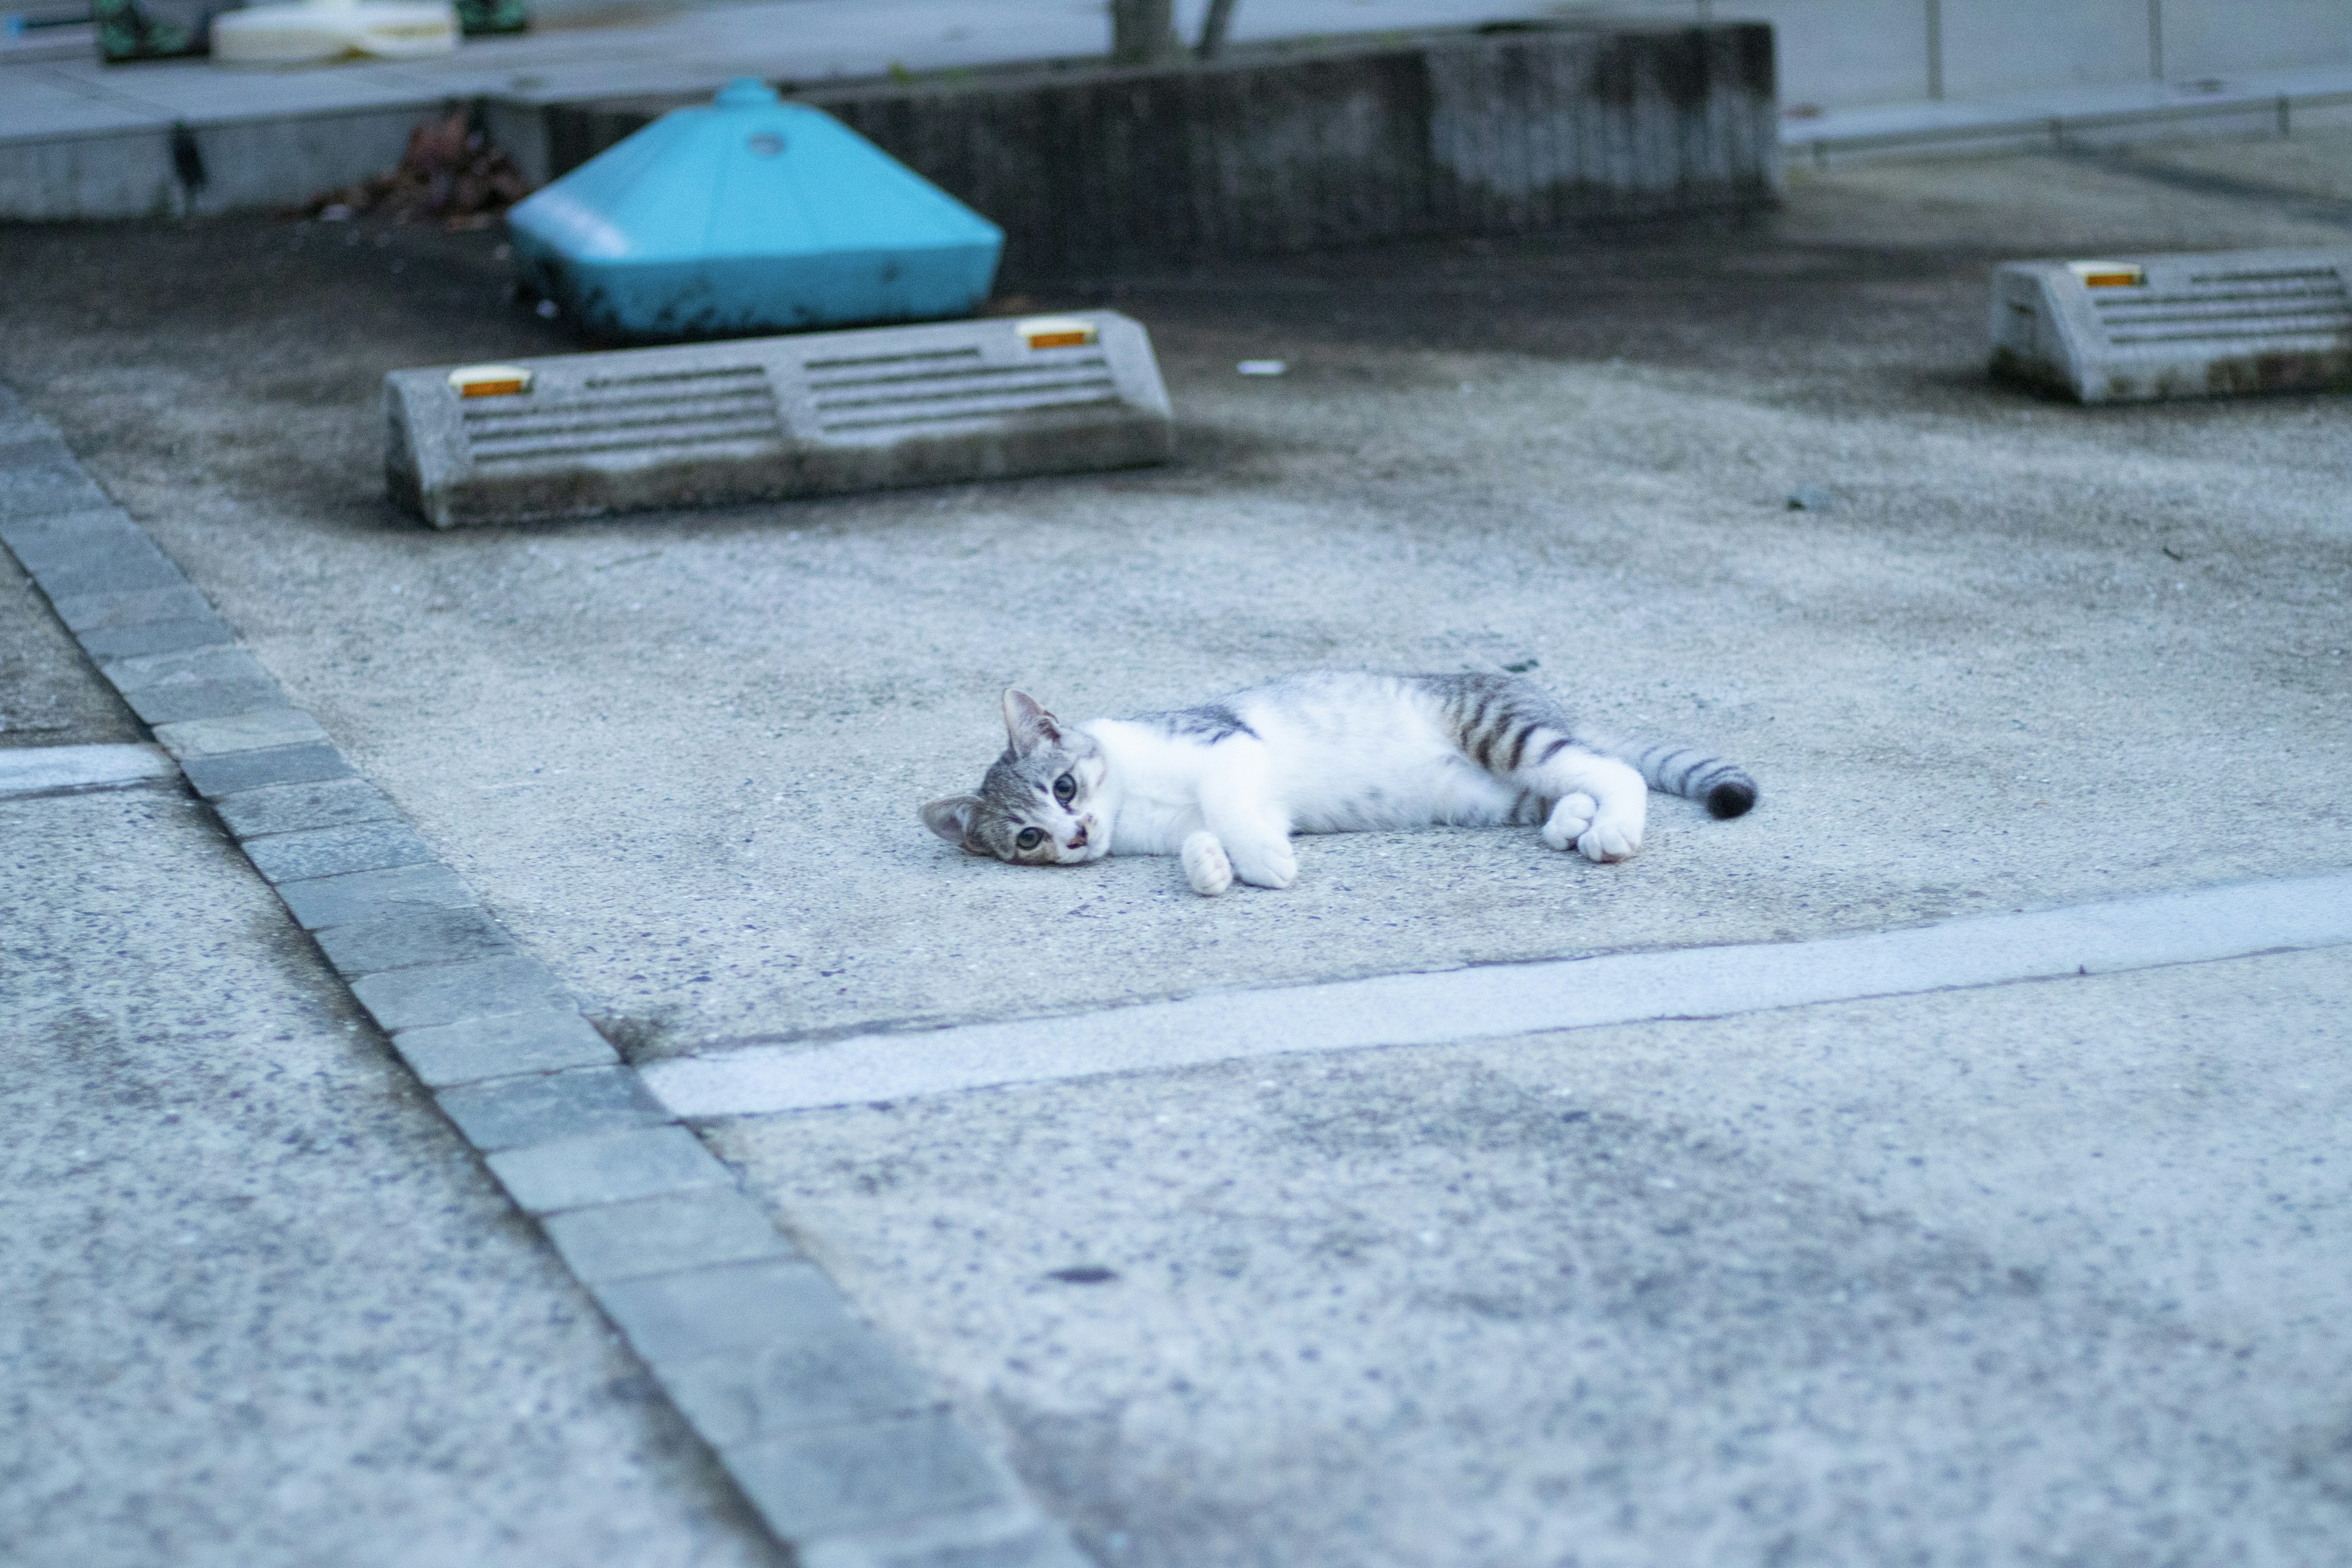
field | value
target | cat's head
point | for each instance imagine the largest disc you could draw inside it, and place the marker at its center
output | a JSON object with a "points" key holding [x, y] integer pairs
{"points": [[1040, 803]]}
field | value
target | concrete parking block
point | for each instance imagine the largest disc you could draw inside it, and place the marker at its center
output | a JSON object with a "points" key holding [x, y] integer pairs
{"points": [[445, 993], [412, 936], [155, 636], [336, 851], [834, 1480], [187, 666], [819, 1377], [289, 808], [323, 902], [262, 729], [608, 1169], [997, 1537], [160, 705], [30, 771], [499, 1047], [665, 1235], [215, 776], [742, 1310], [105, 609], [542, 1107]]}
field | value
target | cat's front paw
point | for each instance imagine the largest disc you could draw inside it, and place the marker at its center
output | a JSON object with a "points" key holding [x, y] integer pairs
{"points": [[1273, 864], [1569, 821], [1609, 839], [1206, 866]]}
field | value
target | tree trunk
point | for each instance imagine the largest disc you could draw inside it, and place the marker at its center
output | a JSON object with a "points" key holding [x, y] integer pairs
{"points": [[1143, 32]]}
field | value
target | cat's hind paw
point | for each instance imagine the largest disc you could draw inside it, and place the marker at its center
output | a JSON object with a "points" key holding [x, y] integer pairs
{"points": [[1570, 821], [1206, 866]]}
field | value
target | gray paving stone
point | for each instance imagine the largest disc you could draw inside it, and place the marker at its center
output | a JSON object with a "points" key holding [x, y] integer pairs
{"points": [[58, 539], [820, 1376], [445, 993], [127, 571], [739, 1309], [664, 1235], [35, 449], [611, 1168], [541, 1107], [31, 487], [155, 636], [136, 606], [289, 808], [1013, 1536], [186, 667], [216, 776], [321, 901], [411, 937], [499, 1046], [336, 851], [162, 705], [265, 729], [837, 1480]]}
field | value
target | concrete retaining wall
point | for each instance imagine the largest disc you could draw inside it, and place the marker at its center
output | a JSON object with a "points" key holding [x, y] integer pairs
{"points": [[1451, 133]]}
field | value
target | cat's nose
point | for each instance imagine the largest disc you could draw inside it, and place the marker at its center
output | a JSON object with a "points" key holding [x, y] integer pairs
{"points": [[1078, 839]]}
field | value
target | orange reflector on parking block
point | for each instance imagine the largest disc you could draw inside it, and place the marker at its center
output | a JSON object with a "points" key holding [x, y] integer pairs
{"points": [[489, 380], [2109, 274], [1056, 332]]}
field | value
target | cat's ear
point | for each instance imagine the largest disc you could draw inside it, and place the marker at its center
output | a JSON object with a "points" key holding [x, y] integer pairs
{"points": [[952, 817], [1029, 725]]}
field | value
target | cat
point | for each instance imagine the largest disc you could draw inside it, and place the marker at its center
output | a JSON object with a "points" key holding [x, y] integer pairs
{"points": [[1224, 785]]}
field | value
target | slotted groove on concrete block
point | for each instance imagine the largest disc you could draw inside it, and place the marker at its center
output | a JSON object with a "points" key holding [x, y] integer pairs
{"points": [[665, 1235], [414, 937], [608, 1169], [445, 993], [336, 851], [320, 903], [501, 1046], [541, 1107], [264, 729], [862, 1476], [289, 808], [737, 1310]]}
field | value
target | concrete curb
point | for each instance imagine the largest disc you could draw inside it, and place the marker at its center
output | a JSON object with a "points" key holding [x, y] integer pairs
{"points": [[841, 1447]]}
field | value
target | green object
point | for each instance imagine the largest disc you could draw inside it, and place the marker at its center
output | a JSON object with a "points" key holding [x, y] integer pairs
{"points": [[475, 16], [155, 29]]}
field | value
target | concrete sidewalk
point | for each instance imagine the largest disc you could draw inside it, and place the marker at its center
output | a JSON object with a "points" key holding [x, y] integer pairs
{"points": [[1955, 1278]]}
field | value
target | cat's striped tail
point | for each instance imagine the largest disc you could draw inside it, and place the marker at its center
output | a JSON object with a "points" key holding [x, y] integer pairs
{"points": [[1685, 770]]}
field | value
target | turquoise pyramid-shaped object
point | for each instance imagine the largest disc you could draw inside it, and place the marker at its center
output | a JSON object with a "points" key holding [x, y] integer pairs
{"points": [[750, 215]]}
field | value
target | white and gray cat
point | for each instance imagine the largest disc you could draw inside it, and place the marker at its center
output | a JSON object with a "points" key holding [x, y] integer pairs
{"points": [[1226, 783]]}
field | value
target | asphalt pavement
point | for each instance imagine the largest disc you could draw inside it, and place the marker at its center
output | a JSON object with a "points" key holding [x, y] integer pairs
{"points": [[2034, 1272]]}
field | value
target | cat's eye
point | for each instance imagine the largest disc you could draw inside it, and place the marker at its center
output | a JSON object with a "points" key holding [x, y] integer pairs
{"points": [[1030, 839], [1063, 788]]}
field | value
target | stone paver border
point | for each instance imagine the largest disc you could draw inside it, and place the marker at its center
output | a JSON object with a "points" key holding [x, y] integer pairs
{"points": [[842, 1445]]}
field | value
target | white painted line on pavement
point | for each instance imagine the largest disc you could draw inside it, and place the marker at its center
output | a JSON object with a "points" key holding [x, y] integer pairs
{"points": [[1515, 999], [69, 770]]}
